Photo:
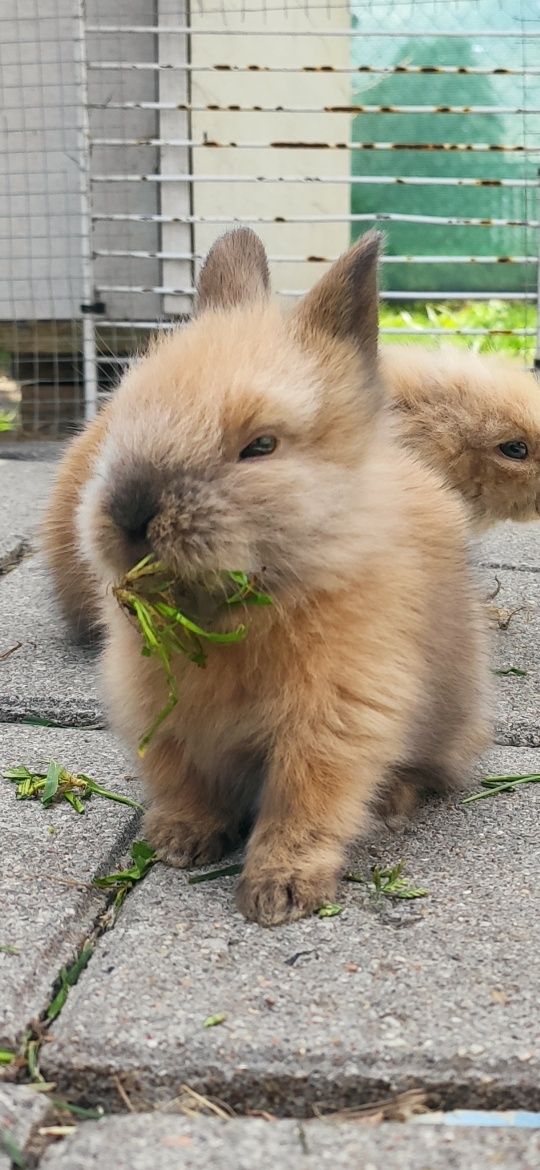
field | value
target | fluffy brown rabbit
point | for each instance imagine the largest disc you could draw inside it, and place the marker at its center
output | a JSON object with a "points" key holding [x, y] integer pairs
{"points": [[476, 419], [258, 441]]}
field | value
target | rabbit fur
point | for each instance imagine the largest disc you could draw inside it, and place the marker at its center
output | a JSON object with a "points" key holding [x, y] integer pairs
{"points": [[469, 415], [366, 680]]}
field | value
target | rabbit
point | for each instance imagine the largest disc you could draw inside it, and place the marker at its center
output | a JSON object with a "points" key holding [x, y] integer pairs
{"points": [[476, 419], [77, 587], [257, 440]]}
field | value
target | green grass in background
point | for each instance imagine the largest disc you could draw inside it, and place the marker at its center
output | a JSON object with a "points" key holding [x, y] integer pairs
{"points": [[418, 316], [464, 315], [8, 420]]}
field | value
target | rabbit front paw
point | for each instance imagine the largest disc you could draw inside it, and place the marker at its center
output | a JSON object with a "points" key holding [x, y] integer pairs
{"points": [[271, 896], [183, 844]]}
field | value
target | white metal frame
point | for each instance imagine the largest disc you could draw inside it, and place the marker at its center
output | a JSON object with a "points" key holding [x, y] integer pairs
{"points": [[196, 178]]}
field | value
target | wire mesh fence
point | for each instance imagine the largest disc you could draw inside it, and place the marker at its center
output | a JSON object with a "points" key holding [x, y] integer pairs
{"points": [[135, 131]]}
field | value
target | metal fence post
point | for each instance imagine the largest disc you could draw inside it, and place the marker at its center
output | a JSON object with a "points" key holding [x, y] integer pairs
{"points": [[88, 302], [537, 354]]}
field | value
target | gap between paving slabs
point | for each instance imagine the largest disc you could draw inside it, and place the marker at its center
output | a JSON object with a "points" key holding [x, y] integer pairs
{"points": [[100, 927], [25, 1065], [327, 1012], [32, 1125], [53, 913], [57, 1113], [56, 1110], [53, 1115], [47, 679]]}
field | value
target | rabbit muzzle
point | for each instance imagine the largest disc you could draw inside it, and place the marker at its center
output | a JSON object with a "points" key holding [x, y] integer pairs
{"points": [[188, 522]]}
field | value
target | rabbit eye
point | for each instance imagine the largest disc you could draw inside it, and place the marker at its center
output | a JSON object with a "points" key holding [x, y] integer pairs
{"points": [[264, 445], [516, 449]]}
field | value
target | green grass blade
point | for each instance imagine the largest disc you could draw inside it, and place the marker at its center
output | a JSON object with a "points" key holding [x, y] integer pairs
{"points": [[122, 877], [215, 1020], [226, 871], [29, 789], [487, 792], [120, 896], [12, 1150], [388, 882], [80, 963], [175, 615], [247, 592], [147, 595], [75, 801], [160, 718], [32, 1060], [39, 721], [406, 892], [493, 785], [52, 780], [144, 619], [147, 565], [329, 910], [68, 979], [521, 778], [55, 1007], [115, 796], [77, 1110], [144, 856], [6, 1057], [512, 670]]}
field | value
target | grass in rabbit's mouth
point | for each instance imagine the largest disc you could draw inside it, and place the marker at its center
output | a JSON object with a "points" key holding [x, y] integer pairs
{"points": [[148, 595]]}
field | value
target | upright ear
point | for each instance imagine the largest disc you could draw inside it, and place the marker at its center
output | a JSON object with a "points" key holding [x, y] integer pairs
{"points": [[235, 272], [345, 303]]}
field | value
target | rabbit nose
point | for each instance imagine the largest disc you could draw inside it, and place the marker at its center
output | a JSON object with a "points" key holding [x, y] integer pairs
{"points": [[133, 504]]}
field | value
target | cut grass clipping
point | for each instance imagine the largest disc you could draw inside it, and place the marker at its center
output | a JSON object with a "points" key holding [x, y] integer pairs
{"points": [[513, 671], [493, 785], [215, 1020], [212, 875], [57, 783], [388, 883], [12, 1150], [146, 594], [143, 858], [68, 978], [329, 910]]}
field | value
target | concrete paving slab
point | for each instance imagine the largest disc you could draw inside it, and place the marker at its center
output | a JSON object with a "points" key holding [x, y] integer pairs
{"points": [[439, 992], [49, 857], [24, 487], [511, 546], [51, 678], [22, 1111], [517, 699], [21, 450], [173, 1143], [47, 676]]}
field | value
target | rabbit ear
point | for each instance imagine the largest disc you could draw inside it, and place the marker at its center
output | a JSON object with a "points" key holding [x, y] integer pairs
{"points": [[235, 272], [345, 303]]}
